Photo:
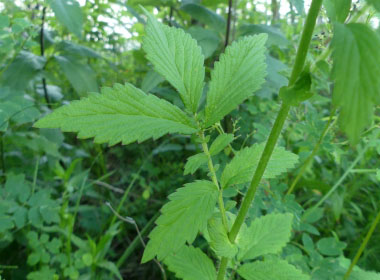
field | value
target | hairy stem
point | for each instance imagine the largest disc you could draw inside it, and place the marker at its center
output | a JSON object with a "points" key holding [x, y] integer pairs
{"points": [[362, 246], [277, 127], [214, 180], [313, 153]]}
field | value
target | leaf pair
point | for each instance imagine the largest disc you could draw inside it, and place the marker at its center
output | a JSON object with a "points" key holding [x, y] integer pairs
{"points": [[125, 114]]}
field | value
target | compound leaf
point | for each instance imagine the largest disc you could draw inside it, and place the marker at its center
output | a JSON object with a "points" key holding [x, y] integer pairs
{"points": [[182, 218], [119, 114], [178, 58], [237, 75], [191, 263], [242, 167], [271, 269], [356, 72], [266, 235]]}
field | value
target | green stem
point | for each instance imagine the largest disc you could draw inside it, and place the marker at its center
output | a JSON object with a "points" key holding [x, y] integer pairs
{"points": [[222, 268], [313, 153], [277, 127], [214, 180], [362, 246]]}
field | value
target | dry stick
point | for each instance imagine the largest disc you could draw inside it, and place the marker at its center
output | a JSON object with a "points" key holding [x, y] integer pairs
{"points": [[42, 48], [276, 130], [228, 27], [313, 153], [130, 220], [362, 246]]}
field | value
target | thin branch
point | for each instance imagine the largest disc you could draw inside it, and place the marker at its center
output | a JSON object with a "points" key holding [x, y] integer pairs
{"points": [[42, 48], [228, 23], [107, 186]]}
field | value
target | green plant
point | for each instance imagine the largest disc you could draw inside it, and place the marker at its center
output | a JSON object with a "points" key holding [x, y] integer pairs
{"points": [[126, 114]]}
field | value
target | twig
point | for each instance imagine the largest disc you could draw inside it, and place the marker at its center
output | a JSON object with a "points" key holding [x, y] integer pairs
{"points": [[130, 220], [42, 48], [108, 186], [228, 23]]}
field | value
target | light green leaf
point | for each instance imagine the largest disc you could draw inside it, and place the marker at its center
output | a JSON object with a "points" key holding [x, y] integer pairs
{"points": [[219, 240], [242, 167], [266, 235], [205, 15], [81, 76], [69, 13], [236, 76], [271, 270], [359, 274], [220, 143], [182, 218], [178, 58], [191, 263], [356, 72], [194, 163], [119, 114]]}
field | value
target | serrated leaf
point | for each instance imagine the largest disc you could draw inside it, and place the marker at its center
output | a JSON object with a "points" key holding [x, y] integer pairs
{"points": [[359, 274], [194, 163], [182, 218], [242, 167], [69, 13], [220, 143], [191, 263], [356, 72], [271, 270], [330, 246], [178, 58], [266, 235], [120, 114], [236, 76], [219, 240]]}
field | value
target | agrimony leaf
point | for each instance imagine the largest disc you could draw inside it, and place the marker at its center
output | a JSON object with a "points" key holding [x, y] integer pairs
{"points": [[242, 167], [81, 76], [239, 72], [194, 163], [219, 240], [69, 13], [220, 143], [359, 274], [191, 263], [182, 218], [356, 72], [178, 58], [271, 269], [266, 235], [330, 246], [119, 114]]}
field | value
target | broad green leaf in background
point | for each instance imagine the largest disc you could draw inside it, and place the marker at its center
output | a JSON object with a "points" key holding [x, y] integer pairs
{"points": [[72, 49], [182, 218], [80, 75], [69, 13], [220, 143], [208, 40], [242, 167], [151, 80], [205, 15], [22, 70], [219, 240], [266, 235], [271, 269], [119, 114], [359, 274], [337, 10], [299, 4], [275, 36], [178, 58], [17, 188], [356, 72], [239, 72], [191, 263], [194, 163], [375, 3], [330, 246]]}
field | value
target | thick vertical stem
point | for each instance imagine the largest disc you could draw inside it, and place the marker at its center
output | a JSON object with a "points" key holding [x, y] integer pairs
{"points": [[277, 127]]}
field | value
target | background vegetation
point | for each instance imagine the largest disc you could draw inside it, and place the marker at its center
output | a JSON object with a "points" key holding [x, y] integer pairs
{"points": [[59, 194]]}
